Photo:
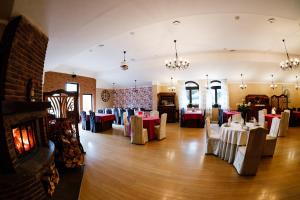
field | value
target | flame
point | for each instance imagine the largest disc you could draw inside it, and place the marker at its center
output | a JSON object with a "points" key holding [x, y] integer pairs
{"points": [[28, 139]]}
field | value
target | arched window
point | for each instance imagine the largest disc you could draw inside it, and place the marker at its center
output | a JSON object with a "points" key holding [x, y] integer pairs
{"points": [[192, 93]]}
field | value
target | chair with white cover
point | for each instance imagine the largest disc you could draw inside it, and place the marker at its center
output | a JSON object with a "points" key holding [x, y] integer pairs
{"points": [[215, 115], [248, 157], [139, 135], [160, 130], [236, 117], [154, 113], [271, 138], [212, 139], [126, 124], [284, 124], [261, 118]]}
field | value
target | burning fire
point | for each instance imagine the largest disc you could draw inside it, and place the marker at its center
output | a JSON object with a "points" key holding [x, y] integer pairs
{"points": [[27, 137]]}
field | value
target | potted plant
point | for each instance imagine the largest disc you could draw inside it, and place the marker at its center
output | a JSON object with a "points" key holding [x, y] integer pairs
{"points": [[244, 109]]}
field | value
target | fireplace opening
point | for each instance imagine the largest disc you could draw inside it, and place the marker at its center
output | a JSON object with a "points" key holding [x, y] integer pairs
{"points": [[24, 136]]}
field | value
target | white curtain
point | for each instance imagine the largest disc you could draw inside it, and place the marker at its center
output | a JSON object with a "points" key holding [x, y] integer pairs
{"points": [[224, 99], [207, 96], [182, 98]]}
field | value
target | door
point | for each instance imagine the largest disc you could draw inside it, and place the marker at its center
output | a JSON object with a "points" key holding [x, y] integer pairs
{"points": [[87, 101]]}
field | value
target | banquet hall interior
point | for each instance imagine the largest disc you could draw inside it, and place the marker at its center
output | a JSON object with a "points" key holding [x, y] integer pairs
{"points": [[161, 99]]}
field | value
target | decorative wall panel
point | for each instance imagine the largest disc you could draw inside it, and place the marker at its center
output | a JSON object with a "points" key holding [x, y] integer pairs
{"points": [[129, 97]]}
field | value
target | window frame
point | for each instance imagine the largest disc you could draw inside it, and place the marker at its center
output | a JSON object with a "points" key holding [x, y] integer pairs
{"points": [[190, 89], [72, 83]]}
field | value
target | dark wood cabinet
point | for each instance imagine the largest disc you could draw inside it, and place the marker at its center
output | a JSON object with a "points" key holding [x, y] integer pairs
{"points": [[166, 104], [258, 102]]}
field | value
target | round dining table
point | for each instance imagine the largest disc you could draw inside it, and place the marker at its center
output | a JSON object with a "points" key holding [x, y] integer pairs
{"points": [[231, 136], [228, 114], [149, 123]]}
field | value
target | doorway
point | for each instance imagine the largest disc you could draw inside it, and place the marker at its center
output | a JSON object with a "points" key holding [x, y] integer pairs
{"points": [[87, 100]]}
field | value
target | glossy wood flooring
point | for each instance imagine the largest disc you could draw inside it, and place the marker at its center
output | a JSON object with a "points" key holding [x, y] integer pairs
{"points": [[176, 168]]}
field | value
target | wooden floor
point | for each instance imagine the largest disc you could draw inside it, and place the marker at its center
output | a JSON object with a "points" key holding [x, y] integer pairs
{"points": [[176, 168]]}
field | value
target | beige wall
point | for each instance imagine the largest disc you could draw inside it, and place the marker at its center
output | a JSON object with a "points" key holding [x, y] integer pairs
{"points": [[55, 81], [155, 89], [101, 104], [236, 94]]}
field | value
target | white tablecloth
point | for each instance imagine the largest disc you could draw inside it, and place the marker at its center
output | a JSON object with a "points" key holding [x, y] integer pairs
{"points": [[230, 138]]}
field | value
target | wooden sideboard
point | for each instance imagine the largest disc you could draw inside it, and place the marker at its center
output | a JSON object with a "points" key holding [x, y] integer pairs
{"points": [[166, 104], [258, 102]]}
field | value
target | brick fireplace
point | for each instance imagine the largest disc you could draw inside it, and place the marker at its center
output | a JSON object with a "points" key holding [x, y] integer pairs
{"points": [[24, 135], [27, 169]]}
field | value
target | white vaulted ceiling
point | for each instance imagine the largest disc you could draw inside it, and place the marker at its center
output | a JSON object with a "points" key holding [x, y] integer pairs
{"points": [[206, 35]]}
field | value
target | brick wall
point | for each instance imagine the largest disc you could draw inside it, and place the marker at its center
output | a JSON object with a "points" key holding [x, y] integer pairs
{"points": [[56, 80], [23, 49], [24, 54], [22, 187]]}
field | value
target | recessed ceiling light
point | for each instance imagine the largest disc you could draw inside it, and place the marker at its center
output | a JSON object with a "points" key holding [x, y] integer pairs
{"points": [[176, 22], [230, 50], [271, 20], [101, 45], [237, 17]]}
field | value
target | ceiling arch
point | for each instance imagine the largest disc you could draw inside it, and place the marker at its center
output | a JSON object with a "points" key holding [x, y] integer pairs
{"points": [[209, 35]]}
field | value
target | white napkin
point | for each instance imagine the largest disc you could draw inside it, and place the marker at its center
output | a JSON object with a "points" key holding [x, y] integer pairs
{"points": [[242, 121], [229, 121], [254, 120]]}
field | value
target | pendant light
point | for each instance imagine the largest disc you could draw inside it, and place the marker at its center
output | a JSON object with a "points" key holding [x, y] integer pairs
{"points": [[242, 86], [207, 84], [289, 63], [124, 64], [114, 90], [273, 86], [135, 89], [297, 86], [177, 62], [172, 87]]}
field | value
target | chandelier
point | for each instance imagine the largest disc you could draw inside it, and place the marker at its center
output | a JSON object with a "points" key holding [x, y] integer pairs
{"points": [[289, 63], [273, 85], [242, 86], [124, 64], [297, 86], [172, 87], [177, 63]]}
